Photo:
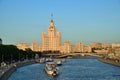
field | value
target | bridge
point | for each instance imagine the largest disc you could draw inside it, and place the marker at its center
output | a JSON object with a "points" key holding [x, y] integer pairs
{"points": [[75, 54], [79, 54]]}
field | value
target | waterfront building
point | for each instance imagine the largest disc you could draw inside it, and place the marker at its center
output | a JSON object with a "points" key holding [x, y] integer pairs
{"points": [[101, 51], [117, 51], [105, 46], [34, 46], [73, 50], [52, 41], [114, 45], [79, 47], [87, 49], [22, 46], [66, 48], [96, 45], [0, 41]]}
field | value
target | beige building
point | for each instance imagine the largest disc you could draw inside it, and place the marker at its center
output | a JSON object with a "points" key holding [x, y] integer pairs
{"points": [[52, 41], [96, 45], [114, 45], [66, 48], [34, 46], [79, 47], [116, 48], [105, 46], [22, 46], [87, 49], [117, 51]]}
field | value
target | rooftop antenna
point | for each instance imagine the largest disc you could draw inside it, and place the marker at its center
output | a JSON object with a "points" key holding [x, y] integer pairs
{"points": [[52, 17]]}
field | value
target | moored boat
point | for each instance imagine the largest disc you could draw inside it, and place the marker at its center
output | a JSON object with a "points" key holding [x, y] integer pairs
{"points": [[42, 60], [49, 60], [59, 62], [51, 69]]}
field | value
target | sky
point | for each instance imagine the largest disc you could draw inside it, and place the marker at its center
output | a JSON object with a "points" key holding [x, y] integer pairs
{"points": [[85, 21]]}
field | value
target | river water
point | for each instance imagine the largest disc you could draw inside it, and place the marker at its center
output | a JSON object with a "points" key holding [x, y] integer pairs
{"points": [[72, 69]]}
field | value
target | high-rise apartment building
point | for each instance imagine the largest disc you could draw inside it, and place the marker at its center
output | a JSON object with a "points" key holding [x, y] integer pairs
{"points": [[52, 41]]}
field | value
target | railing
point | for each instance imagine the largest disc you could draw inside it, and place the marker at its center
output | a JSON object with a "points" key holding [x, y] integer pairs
{"points": [[80, 54]]}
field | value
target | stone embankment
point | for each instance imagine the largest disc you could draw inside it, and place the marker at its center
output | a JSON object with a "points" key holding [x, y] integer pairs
{"points": [[7, 73], [109, 61]]}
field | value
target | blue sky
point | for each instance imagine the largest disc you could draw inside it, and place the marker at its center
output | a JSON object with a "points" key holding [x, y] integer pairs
{"points": [[84, 21]]}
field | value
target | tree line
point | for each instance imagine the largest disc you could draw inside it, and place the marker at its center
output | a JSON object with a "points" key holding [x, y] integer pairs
{"points": [[10, 53]]}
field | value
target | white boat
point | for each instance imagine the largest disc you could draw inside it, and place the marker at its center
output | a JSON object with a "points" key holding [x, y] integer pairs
{"points": [[42, 60], [51, 69], [58, 62], [49, 60]]}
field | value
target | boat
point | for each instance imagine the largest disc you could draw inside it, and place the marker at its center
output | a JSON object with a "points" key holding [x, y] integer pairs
{"points": [[49, 60], [51, 69], [42, 60], [58, 62]]}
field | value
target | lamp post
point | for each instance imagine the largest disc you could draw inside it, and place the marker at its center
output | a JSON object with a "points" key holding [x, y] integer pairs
{"points": [[26, 57], [19, 56], [2, 58], [11, 58], [32, 56]]}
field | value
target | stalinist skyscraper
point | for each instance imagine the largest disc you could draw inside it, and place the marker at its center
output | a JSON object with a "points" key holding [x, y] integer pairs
{"points": [[52, 41]]}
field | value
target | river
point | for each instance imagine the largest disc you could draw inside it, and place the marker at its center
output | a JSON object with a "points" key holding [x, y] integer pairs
{"points": [[72, 69]]}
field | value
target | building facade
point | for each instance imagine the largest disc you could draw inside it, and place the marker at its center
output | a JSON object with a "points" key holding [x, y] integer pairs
{"points": [[52, 41], [66, 48], [79, 47], [22, 46], [34, 46]]}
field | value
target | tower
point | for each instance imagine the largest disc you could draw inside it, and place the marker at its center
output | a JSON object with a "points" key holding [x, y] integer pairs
{"points": [[52, 41]]}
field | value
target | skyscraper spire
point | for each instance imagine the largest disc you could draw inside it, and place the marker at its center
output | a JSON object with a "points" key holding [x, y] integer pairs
{"points": [[52, 22], [51, 29], [51, 17]]}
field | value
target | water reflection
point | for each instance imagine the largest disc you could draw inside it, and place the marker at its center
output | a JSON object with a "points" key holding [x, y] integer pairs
{"points": [[72, 69]]}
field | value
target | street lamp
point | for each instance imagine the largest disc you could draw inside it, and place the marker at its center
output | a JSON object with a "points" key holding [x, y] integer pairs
{"points": [[2, 58], [19, 56], [11, 58]]}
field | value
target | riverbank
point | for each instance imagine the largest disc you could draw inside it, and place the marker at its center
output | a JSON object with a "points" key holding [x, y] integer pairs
{"points": [[109, 62], [7, 73]]}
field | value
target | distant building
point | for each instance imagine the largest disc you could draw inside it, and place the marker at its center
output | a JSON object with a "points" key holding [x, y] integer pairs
{"points": [[96, 45], [22, 46], [0, 41], [115, 45], [117, 51], [34, 46], [105, 46], [66, 48], [87, 49], [79, 47]]}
